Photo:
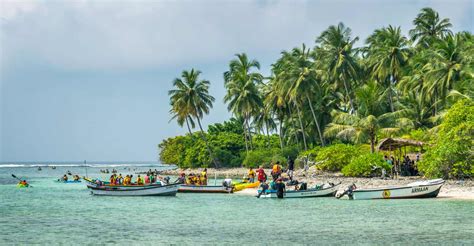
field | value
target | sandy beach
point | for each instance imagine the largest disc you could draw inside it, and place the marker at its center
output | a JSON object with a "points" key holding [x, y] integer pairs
{"points": [[452, 189]]}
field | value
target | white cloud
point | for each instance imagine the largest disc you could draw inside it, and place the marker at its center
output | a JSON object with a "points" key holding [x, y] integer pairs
{"points": [[132, 35]]}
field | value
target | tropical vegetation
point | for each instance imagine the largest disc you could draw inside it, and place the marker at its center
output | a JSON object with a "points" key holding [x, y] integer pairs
{"points": [[333, 102]]}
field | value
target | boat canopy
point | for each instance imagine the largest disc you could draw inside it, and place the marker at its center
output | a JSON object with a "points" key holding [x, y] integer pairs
{"points": [[396, 143]]}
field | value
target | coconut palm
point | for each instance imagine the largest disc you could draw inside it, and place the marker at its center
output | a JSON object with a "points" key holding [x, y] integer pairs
{"points": [[387, 52], [192, 97], [369, 120], [337, 52], [429, 27], [242, 95]]}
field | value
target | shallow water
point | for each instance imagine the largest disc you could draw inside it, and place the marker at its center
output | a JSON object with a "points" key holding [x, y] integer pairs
{"points": [[56, 213]]}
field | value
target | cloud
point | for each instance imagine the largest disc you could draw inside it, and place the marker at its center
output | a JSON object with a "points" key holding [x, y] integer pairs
{"points": [[146, 34]]}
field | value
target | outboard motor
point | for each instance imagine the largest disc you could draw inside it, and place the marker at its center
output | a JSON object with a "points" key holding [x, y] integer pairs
{"points": [[304, 186], [348, 192]]}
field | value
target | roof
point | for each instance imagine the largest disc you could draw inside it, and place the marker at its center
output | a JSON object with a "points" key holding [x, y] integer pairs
{"points": [[395, 143]]}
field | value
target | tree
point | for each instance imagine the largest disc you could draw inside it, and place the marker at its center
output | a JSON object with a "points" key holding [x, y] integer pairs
{"points": [[337, 52], [429, 28], [387, 52], [369, 119], [242, 93], [192, 96]]}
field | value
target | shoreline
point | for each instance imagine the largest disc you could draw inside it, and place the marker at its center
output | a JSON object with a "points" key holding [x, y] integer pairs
{"points": [[452, 189]]}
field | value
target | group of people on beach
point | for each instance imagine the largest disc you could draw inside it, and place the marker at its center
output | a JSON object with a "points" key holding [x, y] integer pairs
{"points": [[405, 167]]}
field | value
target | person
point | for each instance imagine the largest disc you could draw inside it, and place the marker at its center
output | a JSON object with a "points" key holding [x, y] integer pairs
{"points": [[76, 177], [181, 179], [280, 188], [198, 179], [262, 177], [147, 179], [204, 176], [65, 178], [291, 167], [202, 180], [130, 180], [251, 175], [139, 180], [276, 170], [125, 180], [112, 179], [152, 178], [189, 179], [24, 183], [264, 186], [119, 180]]}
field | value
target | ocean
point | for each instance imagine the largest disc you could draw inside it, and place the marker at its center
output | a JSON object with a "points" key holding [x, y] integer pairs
{"points": [[55, 213]]}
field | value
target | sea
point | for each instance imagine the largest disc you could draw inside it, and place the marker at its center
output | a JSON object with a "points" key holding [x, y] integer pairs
{"points": [[53, 213]]}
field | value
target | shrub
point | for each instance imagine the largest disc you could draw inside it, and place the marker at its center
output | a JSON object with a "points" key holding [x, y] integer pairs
{"points": [[451, 155], [335, 157], [265, 157], [366, 165]]}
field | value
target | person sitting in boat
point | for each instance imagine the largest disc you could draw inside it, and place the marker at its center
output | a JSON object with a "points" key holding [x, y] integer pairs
{"points": [[152, 178], [139, 180], [204, 177], [251, 175], [23, 183], [76, 177], [147, 179], [64, 178], [181, 179], [262, 176], [112, 180], [198, 179]]}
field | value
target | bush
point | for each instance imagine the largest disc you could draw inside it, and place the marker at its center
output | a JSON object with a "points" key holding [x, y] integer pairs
{"points": [[367, 165], [264, 157], [335, 157], [451, 155]]}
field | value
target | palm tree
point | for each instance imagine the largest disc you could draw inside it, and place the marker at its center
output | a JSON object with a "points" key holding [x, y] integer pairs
{"points": [[369, 119], [388, 51], [192, 97], [337, 52], [182, 116], [429, 27]]}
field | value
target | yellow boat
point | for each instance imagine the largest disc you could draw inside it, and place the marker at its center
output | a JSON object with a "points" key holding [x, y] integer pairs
{"points": [[241, 186]]}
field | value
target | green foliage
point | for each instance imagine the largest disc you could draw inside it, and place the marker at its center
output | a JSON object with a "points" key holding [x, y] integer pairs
{"points": [[335, 157], [452, 152], [366, 165], [264, 157]]}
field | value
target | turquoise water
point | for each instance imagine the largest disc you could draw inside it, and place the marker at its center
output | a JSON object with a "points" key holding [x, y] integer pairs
{"points": [[55, 213]]}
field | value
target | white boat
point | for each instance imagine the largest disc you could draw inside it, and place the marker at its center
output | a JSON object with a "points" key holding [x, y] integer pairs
{"points": [[204, 189], [134, 190], [326, 191], [419, 189]]}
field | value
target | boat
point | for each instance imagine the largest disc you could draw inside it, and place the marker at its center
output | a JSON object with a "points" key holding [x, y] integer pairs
{"points": [[68, 181], [133, 190], [419, 189], [241, 186], [205, 189], [327, 190], [22, 186]]}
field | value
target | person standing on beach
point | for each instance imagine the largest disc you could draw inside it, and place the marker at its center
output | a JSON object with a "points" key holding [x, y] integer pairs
{"points": [[251, 175], [291, 167], [262, 177]]}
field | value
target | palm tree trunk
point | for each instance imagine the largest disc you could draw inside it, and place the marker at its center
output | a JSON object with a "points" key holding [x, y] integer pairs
{"points": [[189, 128], [249, 133], [280, 133], [268, 135], [294, 125], [245, 138], [207, 144], [348, 95], [301, 126], [315, 121], [372, 142]]}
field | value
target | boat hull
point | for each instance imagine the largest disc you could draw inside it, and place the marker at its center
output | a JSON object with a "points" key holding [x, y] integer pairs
{"points": [[145, 190], [327, 192], [204, 189], [425, 189]]}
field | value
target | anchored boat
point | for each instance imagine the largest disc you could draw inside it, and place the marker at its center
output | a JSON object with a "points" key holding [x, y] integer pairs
{"points": [[326, 191], [132, 190], [420, 189], [204, 189]]}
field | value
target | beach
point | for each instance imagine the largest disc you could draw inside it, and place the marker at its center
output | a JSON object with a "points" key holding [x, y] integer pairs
{"points": [[452, 189]]}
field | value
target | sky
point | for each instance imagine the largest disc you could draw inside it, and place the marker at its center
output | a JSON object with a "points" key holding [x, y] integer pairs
{"points": [[88, 80]]}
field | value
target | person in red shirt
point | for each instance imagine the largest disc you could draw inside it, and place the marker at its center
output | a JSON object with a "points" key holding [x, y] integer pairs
{"points": [[262, 177]]}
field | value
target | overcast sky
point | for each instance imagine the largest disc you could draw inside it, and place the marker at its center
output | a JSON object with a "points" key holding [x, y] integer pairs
{"points": [[89, 79]]}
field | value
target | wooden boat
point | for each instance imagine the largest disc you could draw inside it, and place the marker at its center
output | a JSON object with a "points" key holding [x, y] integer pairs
{"points": [[420, 189], [68, 181], [204, 189], [134, 190], [326, 191]]}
